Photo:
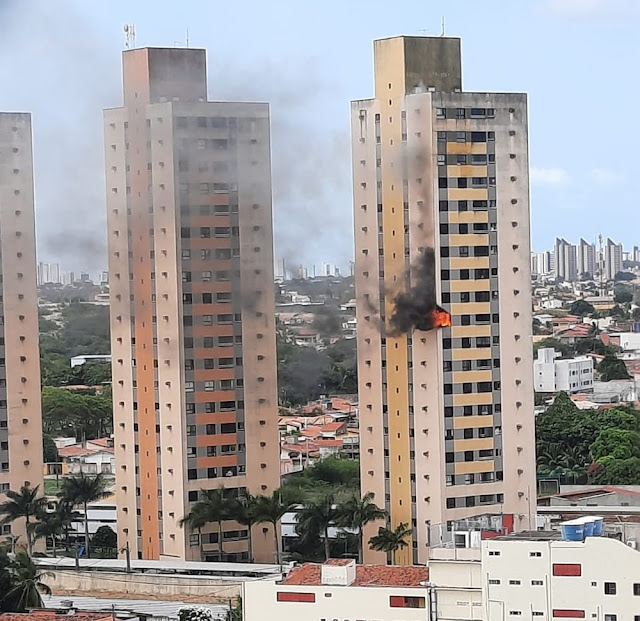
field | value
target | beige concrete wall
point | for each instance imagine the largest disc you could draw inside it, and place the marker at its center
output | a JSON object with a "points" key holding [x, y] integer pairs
{"points": [[21, 371], [142, 586]]}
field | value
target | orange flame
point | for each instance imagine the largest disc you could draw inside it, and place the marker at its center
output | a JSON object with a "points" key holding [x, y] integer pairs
{"points": [[441, 318]]}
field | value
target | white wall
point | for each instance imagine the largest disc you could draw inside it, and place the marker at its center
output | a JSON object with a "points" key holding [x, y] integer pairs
{"points": [[346, 603], [517, 567]]}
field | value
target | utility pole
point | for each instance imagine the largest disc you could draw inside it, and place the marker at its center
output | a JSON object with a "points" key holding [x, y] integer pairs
{"points": [[127, 556]]}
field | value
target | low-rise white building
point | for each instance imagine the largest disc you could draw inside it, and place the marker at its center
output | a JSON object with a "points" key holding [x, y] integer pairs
{"points": [[553, 375], [549, 578], [340, 589]]}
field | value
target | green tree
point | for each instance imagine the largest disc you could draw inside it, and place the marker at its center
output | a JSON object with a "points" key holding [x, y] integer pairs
{"points": [[81, 490], [581, 308], [616, 444], [609, 471], [243, 510], [391, 540], [314, 520], [564, 349], [270, 509], [623, 294], [212, 507], [195, 521], [49, 450], [27, 584], [611, 368], [356, 513], [50, 526], [105, 539], [235, 611], [624, 276], [25, 503]]}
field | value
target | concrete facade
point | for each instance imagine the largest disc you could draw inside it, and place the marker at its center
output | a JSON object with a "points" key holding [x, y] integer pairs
{"points": [[612, 259], [192, 304], [446, 415], [586, 259], [566, 263], [571, 375], [20, 403]]}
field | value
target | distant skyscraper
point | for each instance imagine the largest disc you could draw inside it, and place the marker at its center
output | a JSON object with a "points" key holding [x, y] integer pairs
{"points": [[540, 263], [441, 201], [586, 259], [192, 306], [20, 410], [636, 254], [565, 260], [612, 259]]}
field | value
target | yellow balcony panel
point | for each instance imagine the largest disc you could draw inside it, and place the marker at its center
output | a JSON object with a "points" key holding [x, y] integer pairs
{"points": [[475, 353], [466, 171], [477, 239], [467, 422], [479, 398], [470, 285], [468, 216], [471, 308], [468, 263], [468, 194], [460, 377], [469, 331], [473, 444], [470, 467], [466, 147]]}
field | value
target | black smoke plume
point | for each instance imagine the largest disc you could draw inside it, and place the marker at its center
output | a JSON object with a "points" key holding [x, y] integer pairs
{"points": [[416, 308]]}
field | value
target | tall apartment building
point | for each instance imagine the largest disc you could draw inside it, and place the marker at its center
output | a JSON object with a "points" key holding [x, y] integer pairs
{"points": [[447, 427], [586, 259], [541, 263], [612, 259], [192, 305], [20, 405], [566, 268]]}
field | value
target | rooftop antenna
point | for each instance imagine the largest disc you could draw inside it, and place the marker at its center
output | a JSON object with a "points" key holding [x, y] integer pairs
{"points": [[187, 37], [442, 27], [129, 36]]}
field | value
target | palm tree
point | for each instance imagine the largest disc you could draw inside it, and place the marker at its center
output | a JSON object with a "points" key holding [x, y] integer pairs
{"points": [[356, 513], [391, 540], [212, 507], [314, 520], [67, 516], [81, 490], [50, 525], [243, 510], [23, 504], [271, 509], [196, 520], [28, 585]]}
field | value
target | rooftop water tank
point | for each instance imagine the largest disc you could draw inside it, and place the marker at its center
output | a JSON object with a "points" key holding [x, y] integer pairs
{"points": [[573, 530], [597, 525]]}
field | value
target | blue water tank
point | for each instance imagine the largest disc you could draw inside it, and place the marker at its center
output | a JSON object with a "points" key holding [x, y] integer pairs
{"points": [[572, 531], [597, 526], [589, 525]]}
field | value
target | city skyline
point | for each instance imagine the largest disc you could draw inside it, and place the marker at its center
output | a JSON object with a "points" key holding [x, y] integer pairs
{"points": [[569, 181]]}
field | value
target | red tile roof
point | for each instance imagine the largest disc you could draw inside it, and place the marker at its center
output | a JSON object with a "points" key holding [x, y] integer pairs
{"points": [[366, 575], [75, 451], [342, 562], [334, 426]]}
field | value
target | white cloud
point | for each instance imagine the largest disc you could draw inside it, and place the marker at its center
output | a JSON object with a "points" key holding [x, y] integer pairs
{"points": [[549, 176], [589, 9], [605, 177]]}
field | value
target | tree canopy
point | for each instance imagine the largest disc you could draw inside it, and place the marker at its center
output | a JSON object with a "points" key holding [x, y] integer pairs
{"points": [[580, 307], [611, 368], [603, 442]]}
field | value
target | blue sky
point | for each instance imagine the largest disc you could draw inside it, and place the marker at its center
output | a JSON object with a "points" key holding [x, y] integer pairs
{"points": [[577, 59]]}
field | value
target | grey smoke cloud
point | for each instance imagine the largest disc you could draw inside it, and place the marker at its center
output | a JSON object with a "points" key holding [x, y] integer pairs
{"points": [[58, 67], [311, 163], [65, 71]]}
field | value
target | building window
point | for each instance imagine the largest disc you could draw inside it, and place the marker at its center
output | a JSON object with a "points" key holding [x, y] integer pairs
{"points": [[405, 601], [567, 569], [610, 617], [609, 588], [636, 588], [283, 596]]}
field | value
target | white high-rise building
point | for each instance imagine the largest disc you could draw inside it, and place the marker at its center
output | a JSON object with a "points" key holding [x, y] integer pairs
{"points": [[565, 260]]}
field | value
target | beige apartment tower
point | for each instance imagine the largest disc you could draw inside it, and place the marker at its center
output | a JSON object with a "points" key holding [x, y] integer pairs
{"points": [[192, 306], [447, 427], [20, 404]]}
